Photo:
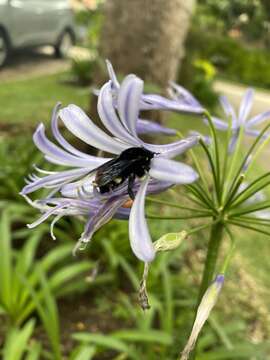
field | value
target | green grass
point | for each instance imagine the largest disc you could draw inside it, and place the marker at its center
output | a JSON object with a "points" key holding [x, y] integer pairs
{"points": [[31, 101]]}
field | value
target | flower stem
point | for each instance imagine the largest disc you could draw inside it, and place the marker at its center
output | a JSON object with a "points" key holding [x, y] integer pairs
{"points": [[211, 257], [210, 263]]}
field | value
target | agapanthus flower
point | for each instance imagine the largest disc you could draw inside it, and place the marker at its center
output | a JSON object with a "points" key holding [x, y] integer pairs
{"points": [[241, 119], [207, 303], [155, 102], [75, 192]]}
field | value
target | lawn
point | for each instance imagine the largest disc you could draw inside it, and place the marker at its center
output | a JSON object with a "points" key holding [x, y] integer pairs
{"points": [[30, 101]]}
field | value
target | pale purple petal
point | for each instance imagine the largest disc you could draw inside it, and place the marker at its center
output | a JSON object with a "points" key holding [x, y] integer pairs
{"points": [[55, 154], [245, 106], [219, 124], [61, 140], [158, 102], [174, 171], [175, 148], [109, 117], [258, 119], [255, 133], [104, 214], [54, 180], [228, 109], [233, 141], [183, 95], [79, 124], [128, 102], [112, 75], [140, 239], [151, 127]]}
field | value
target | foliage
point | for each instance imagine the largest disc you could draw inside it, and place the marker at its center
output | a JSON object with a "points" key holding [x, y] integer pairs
{"points": [[247, 16], [232, 59]]}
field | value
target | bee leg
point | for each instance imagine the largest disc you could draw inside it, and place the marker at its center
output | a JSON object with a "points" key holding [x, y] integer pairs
{"points": [[131, 180]]}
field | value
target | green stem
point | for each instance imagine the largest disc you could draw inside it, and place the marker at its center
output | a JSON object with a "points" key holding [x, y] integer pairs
{"points": [[211, 257], [210, 264]]}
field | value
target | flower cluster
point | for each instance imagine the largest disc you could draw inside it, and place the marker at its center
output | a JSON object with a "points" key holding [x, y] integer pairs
{"points": [[118, 107]]}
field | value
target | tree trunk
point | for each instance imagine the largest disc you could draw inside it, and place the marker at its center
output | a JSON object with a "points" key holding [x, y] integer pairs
{"points": [[146, 37]]}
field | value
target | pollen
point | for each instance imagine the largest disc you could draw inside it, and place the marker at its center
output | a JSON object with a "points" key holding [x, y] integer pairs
{"points": [[128, 204]]}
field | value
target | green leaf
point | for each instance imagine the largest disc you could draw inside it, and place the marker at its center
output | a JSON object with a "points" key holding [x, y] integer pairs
{"points": [[83, 352], [16, 342], [103, 341], [6, 261], [148, 336]]}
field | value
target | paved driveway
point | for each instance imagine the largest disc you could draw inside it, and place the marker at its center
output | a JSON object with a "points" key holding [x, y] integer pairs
{"points": [[25, 64]]}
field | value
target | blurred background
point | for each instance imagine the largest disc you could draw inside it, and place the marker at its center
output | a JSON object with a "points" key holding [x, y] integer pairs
{"points": [[55, 306]]}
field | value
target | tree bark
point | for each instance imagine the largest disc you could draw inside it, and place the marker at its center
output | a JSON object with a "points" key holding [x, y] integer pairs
{"points": [[146, 37]]}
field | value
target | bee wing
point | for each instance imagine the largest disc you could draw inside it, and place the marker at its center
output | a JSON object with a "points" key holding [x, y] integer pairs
{"points": [[111, 170]]}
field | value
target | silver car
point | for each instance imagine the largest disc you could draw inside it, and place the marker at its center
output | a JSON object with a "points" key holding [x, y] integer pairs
{"points": [[30, 23]]}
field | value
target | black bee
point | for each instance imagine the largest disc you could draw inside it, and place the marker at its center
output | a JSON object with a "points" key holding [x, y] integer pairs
{"points": [[130, 163]]}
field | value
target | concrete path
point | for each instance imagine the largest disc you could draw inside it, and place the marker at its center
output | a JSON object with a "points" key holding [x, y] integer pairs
{"points": [[32, 63], [235, 92]]}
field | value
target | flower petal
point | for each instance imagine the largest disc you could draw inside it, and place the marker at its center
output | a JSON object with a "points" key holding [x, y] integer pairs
{"points": [[170, 170], [183, 95], [61, 140], [205, 307], [175, 148], [79, 124], [233, 141], [112, 75], [245, 106], [258, 119], [109, 118], [151, 127], [56, 155], [54, 180], [104, 214], [228, 109], [158, 102], [219, 124], [140, 239], [128, 102], [254, 132]]}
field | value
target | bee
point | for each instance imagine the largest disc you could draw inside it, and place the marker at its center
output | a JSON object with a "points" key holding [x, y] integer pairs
{"points": [[130, 163]]}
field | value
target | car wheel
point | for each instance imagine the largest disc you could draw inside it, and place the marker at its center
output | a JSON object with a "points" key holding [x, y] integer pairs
{"points": [[65, 43], [4, 49]]}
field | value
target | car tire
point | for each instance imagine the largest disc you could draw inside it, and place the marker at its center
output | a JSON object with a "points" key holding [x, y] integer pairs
{"points": [[64, 44], [4, 49]]}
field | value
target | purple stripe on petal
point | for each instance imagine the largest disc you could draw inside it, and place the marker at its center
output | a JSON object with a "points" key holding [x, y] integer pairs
{"points": [[170, 170], [109, 118], [128, 102], [79, 124], [258, 119], [245, 106], [140, 239]]}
